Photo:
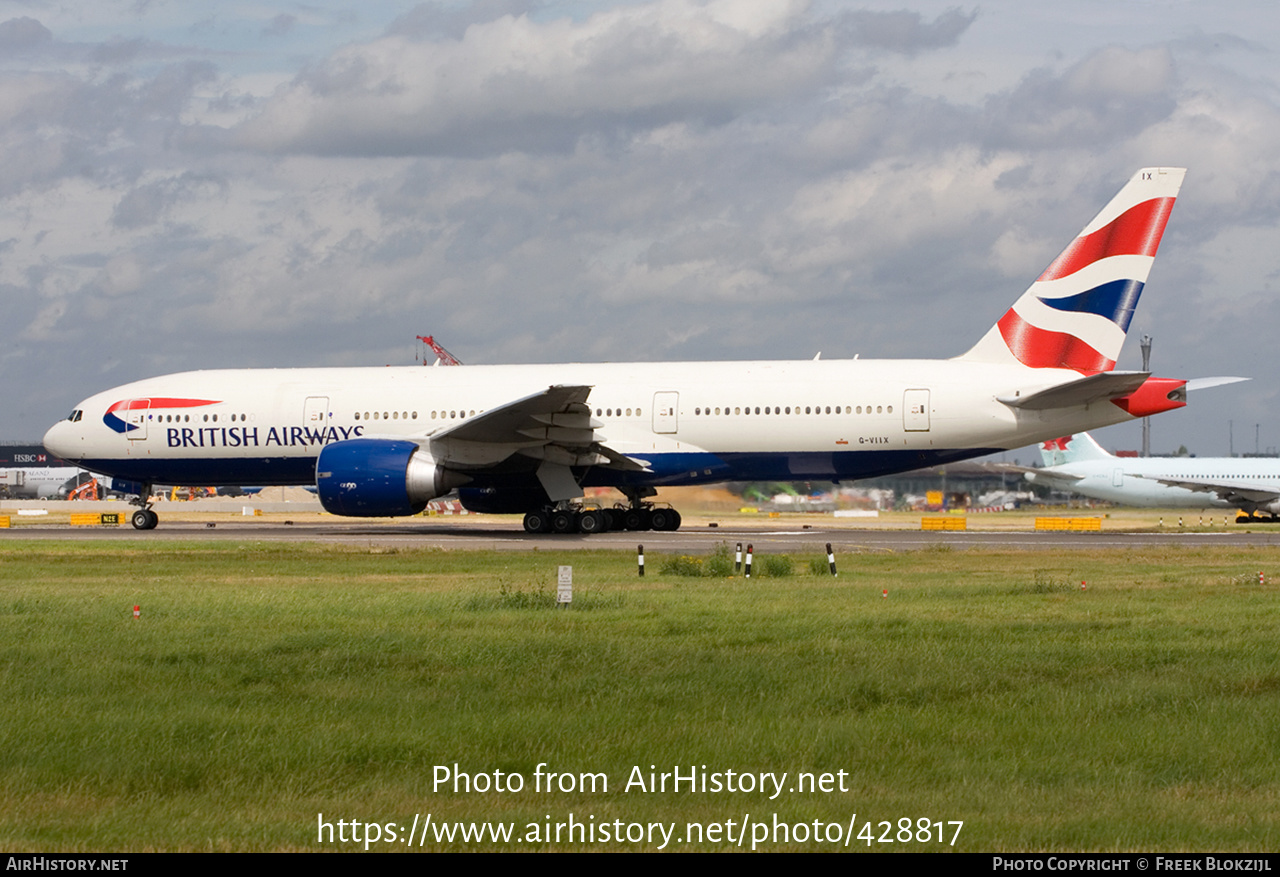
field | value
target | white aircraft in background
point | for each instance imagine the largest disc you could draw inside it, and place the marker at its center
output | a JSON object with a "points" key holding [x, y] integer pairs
{"points": [[40, 482], [1078, 464], [381, 442]]}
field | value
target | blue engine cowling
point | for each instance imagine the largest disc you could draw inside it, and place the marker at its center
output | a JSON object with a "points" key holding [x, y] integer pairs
{"points": [[380, 478]]}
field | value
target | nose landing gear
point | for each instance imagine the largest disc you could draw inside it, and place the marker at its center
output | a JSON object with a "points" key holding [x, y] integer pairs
{"points": [[144, 518]]}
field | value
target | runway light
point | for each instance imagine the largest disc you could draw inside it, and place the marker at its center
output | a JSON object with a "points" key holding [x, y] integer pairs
{"points": [[1082, 585], [831, 559], [137, 610], [640, 558], [1262, 580], [885, 595], [748, 560]]}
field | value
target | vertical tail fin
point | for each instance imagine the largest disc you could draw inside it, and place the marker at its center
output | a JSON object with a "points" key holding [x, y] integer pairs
{"points": [[1077, 312], [1071, 449]]}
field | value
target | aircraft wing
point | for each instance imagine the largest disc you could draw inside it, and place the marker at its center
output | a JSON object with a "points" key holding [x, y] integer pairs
{"points": [[1237, 492], [554, 426], [1047, 473]]}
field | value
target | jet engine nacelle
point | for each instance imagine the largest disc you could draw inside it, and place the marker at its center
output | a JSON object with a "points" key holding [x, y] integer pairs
{"points": [[377, 478]]}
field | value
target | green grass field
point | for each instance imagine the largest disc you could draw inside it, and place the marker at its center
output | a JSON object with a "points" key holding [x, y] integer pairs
{"points": [[265, 684]]}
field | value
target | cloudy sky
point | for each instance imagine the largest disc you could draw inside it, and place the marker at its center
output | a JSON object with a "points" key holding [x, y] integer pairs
{"points": [[264, 183]]}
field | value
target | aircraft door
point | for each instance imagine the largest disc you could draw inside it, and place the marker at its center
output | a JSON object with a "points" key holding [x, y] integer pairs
{"points": [[1117, 478], [137, 415], [665, 416], [915, 410], [315, 412]]}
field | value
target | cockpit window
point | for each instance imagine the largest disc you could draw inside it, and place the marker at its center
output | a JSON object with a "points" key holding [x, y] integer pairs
{"points": [[75, 416]]}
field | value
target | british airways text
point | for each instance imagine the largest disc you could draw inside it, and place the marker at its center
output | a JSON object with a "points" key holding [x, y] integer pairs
{"points": [[252, 437]]}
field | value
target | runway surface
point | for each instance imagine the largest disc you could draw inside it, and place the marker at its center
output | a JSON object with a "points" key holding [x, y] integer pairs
{"points": [[487, 536]]}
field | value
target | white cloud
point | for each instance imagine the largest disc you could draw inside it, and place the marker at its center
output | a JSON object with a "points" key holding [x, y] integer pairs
{"points": [[517, 83]]}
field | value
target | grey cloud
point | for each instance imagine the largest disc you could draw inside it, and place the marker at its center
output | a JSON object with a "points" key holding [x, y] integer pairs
{"points": [[1110, 95], [118, 51], [906, 32], [54, 125], [280, 25], [428, 20], [18, 34], [146, 204]]}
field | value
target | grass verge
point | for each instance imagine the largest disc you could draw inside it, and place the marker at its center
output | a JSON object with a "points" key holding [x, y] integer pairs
{"points": [[264, 685]]}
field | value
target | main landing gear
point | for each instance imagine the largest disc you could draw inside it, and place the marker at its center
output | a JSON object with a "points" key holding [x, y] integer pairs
{"points": [[566, 518], [144, 518]]}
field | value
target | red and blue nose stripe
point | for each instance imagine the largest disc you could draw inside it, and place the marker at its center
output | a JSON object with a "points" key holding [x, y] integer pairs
{"points": [[118, 424]]}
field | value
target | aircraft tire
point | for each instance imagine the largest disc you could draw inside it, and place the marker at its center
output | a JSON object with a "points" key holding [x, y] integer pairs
{"points": [[563, 522], [537, 522], [591, 521], [144, 519], [666, 520], [633, 519]]}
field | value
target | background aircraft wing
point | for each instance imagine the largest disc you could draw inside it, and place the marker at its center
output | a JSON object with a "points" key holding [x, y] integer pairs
{"points": [[1042, 474], [554, 426], [1239, 492]]}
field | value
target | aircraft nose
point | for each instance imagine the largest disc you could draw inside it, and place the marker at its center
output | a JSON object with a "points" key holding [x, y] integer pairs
{"points": [[62, 440]]}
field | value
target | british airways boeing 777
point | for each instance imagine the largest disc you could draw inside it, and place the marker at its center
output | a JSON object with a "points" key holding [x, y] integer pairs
{"points": [[529, 438]]}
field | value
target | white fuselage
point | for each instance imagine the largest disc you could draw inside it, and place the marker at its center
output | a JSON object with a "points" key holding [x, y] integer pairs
{"points": [[690, 422], [1135, 481]]}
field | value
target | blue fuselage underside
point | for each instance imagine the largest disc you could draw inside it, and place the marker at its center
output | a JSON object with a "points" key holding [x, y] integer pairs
{"points": [[667, 469]]}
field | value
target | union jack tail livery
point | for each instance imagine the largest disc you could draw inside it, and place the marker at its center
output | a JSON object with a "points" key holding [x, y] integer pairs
{"points": [[1077, 312]]}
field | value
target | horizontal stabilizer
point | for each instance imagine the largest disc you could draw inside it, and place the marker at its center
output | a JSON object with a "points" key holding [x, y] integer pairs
{"points": [[1094, 388], [1206, 383]]}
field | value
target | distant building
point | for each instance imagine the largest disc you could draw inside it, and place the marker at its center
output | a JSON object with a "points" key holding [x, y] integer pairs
{"points": [[21, 454]]}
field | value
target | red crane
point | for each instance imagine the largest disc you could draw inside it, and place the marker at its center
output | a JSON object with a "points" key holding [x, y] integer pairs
{"points": [[443, 357]]}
